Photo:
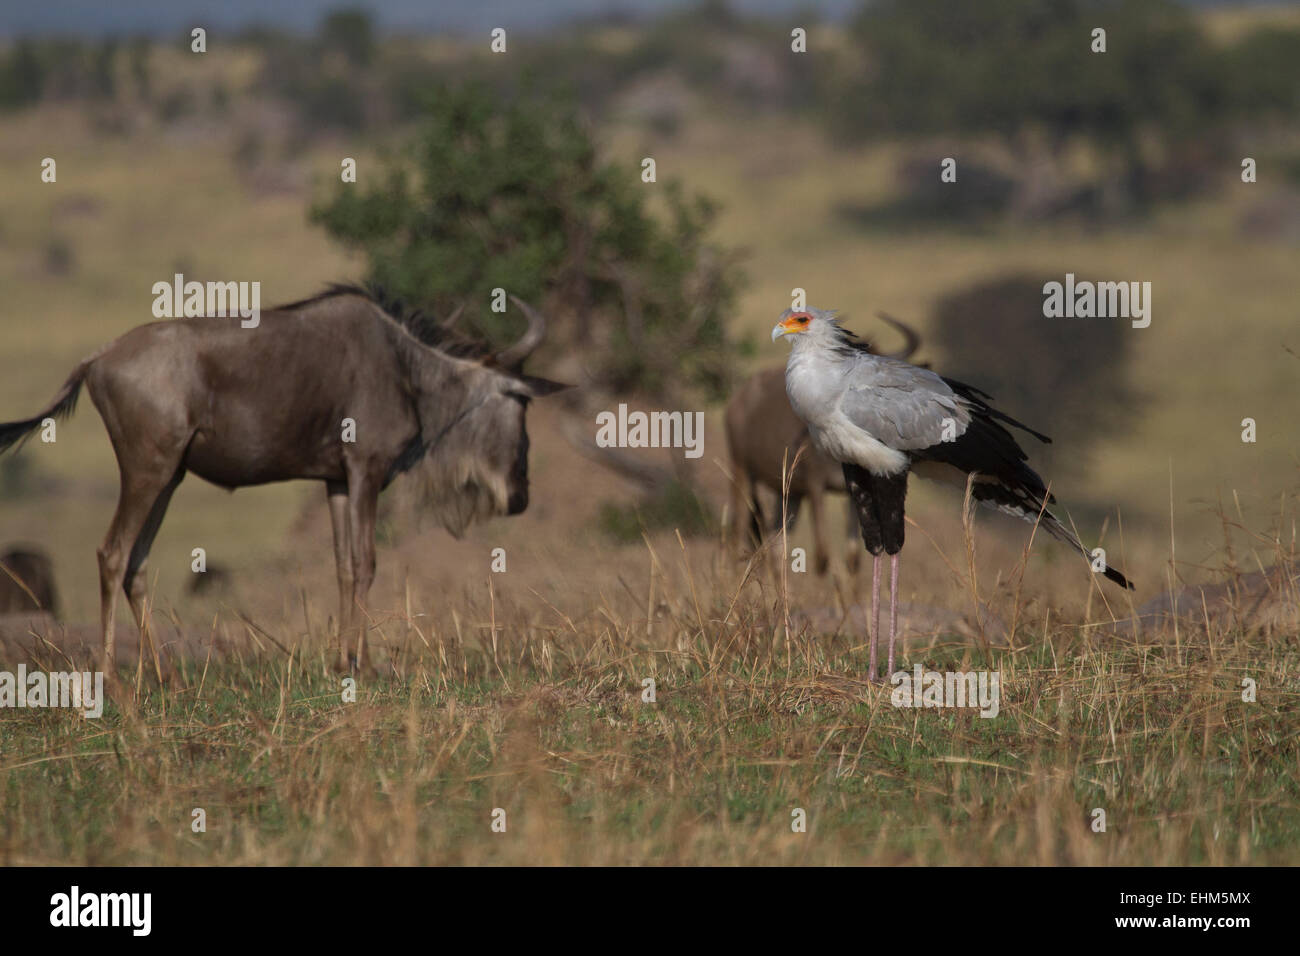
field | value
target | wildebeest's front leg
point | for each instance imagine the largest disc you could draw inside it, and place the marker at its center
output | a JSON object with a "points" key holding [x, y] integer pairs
{"points": [[363, 505], [336, 493]]}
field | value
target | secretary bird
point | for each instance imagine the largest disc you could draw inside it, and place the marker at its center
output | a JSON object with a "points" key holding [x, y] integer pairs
{"points": [[881, 417], [764, 436]]}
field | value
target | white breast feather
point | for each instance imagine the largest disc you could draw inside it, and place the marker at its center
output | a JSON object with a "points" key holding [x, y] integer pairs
{"points": [[814, 390]]}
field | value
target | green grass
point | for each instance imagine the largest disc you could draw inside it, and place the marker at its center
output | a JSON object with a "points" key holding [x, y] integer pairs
{"points": [[744, 729]]}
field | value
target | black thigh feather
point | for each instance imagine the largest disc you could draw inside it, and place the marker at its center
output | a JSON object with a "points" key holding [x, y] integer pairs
{"points": [[879, 501]]}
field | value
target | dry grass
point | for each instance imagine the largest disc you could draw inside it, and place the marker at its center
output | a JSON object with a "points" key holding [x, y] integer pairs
{"points": [[534, 705]]}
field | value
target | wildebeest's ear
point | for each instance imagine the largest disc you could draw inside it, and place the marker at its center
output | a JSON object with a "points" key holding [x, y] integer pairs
{"points": [[541, 387]]}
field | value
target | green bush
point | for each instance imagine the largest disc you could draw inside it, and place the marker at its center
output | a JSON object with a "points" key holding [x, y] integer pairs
{"points": [[513, 196]]}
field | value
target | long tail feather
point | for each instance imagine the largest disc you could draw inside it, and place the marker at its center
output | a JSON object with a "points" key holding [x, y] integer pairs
{"points": [[1024, 504]]}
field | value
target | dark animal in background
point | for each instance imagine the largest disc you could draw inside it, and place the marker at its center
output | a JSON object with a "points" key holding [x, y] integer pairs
{"points": [[27, 581], [763, 435], [1072, 364], [246, 406], [215, 580]]}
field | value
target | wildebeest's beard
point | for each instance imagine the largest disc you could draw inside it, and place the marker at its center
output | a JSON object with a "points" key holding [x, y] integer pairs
{"points": [[478, 469]]}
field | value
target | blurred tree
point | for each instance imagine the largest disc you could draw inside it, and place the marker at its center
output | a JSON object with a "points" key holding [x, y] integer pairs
{"points": [[1019, 69], [1265, 69], [22, 77], [513, 196], [67, 68], [351, 33], [329, 78], [140, 50], [103, 76]]}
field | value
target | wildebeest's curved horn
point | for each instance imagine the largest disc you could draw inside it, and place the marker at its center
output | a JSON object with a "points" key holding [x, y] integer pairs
{"points": [[455, 316], [909, 333], [514, 355]]}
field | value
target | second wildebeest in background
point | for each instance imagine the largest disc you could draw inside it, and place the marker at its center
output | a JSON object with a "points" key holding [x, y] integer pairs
{"points": [[27, 581], [333, 388]]}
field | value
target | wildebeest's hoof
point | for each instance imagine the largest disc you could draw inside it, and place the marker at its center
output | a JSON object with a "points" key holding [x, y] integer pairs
{"points": [[356, 668]]}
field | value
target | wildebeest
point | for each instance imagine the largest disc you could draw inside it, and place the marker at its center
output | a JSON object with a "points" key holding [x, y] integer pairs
{"points": [[27, 581], [763, 436], [214, 579], [335, 388]]}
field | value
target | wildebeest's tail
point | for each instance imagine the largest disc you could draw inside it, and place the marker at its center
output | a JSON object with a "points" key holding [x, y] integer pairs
{"points": [[13, 434]]}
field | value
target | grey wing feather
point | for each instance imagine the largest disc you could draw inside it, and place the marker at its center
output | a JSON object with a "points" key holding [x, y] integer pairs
{"points": [[900, 405]]}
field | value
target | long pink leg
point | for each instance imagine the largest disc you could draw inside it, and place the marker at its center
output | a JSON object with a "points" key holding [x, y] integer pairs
{"points": [[893, 611], [875, 614]]}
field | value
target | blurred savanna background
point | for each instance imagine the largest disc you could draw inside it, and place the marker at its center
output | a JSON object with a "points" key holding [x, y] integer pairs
{"points": [[775, 169]]}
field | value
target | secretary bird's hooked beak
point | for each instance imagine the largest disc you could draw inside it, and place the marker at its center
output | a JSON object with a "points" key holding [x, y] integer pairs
{"points": [[792, 323]]}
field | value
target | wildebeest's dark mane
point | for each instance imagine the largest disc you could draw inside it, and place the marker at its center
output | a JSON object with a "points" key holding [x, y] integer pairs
{"points": [[420, 324]]}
